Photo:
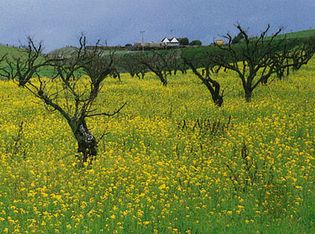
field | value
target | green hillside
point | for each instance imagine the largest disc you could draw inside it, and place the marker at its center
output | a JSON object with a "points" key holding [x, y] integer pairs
{"points": [[300, 34], [12, 51]]}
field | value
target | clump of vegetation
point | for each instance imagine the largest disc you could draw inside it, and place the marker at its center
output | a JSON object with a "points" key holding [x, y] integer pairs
{"points": [[183, 41], [195, 43]]}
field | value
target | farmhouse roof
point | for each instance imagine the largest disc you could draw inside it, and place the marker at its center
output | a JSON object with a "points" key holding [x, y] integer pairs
{"points": [[165, 40], [174, 40]]}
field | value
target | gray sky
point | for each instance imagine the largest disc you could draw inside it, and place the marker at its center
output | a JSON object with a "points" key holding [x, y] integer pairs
{"points": [[60, 22]]}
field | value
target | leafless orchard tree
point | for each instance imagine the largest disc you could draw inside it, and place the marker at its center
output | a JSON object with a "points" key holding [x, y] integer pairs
{"points": [[131, 63], [160, 63], [256, 59], [176, 63], [297, 56], [73, 89], [209, 68]]}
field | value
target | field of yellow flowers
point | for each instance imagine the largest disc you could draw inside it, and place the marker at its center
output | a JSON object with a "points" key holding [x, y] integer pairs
{"points": [[170, 162]]}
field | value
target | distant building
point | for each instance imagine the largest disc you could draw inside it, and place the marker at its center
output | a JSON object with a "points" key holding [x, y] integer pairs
{"points": [[165, 40], [219, 42], [170, 42]]}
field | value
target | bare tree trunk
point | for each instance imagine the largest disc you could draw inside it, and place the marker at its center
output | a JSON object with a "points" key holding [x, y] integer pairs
{"points": [[183, 71], [248, 95], [87, 144], [142, 75], [214, 89], [218, 100], [163, 78], [264, 81]]}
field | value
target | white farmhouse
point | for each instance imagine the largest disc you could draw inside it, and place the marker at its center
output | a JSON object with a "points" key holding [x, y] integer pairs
{"points": [[170, 42], [165, 40]]}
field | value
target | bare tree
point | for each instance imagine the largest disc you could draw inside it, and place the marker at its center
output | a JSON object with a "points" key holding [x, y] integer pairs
{"points": [[176, 63], [160, 63], [72, 91], [295, 54], [209, 68], [131, 63], [301, 54], [255, 59]]}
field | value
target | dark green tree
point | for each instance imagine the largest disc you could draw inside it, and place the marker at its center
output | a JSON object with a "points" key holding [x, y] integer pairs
{"points": [[183, 41], [196, 43]]}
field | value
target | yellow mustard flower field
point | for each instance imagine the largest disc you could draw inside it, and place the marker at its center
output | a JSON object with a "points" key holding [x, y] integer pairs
{"points": [[169, 162]]}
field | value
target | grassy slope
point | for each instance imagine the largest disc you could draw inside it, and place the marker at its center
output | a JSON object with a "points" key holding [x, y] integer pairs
{"points": [[12, 51], [301, 34]]}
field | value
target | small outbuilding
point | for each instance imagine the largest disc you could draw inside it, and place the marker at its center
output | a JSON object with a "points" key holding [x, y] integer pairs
{"points": [[219, 42]]}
